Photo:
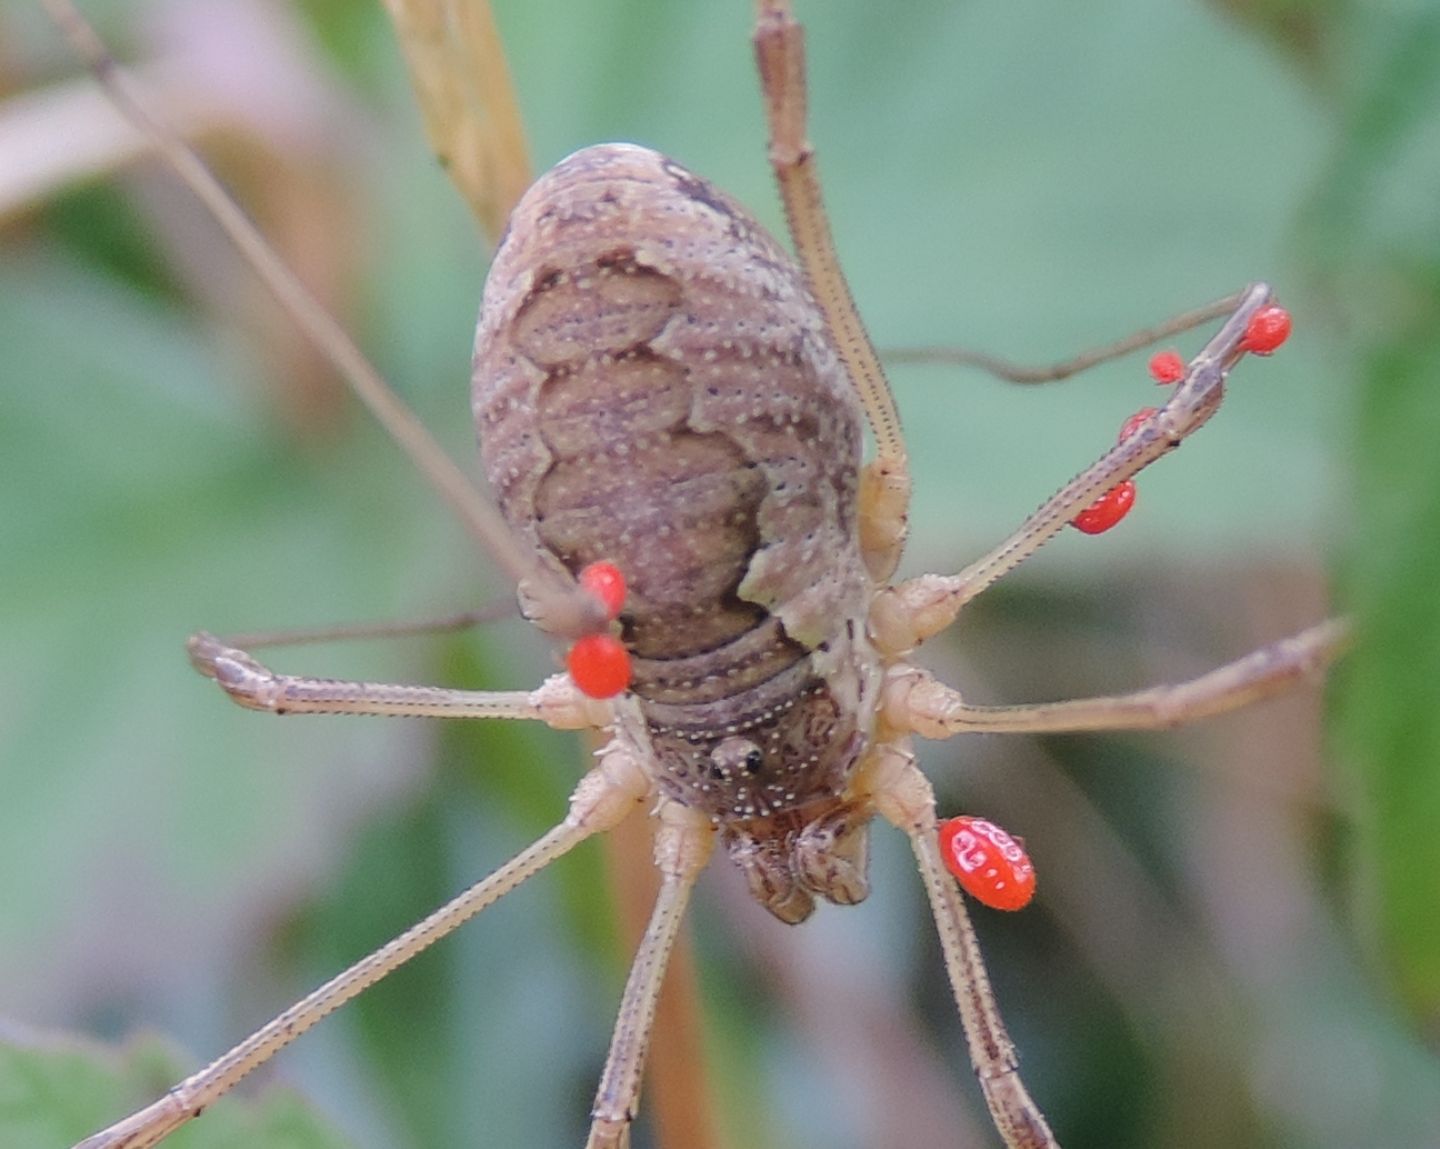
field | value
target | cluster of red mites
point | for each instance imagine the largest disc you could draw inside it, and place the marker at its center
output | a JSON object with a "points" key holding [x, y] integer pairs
{"points": [[1267, 330], [599, 662], [991, 865]]}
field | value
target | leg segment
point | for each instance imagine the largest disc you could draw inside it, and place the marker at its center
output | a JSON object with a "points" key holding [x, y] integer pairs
{"points": [[348, 632], [1054, 372], [614, 788], [885, 501], [903, 796], [682, 847], [912, 611], [557, 702], [916, 702]]}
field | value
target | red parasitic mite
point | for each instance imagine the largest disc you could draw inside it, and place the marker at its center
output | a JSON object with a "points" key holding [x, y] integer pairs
{"points": [[1267, 330], [1132, 424], [1107, 510], [605, 582], [990, 864], [599, 664], [1167, 367]]}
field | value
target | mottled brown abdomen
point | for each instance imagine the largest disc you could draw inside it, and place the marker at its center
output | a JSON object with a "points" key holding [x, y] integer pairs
{"points": [[654, 387]]}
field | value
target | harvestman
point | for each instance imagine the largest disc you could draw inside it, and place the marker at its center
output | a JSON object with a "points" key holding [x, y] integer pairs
{"points": [[619, 264]]}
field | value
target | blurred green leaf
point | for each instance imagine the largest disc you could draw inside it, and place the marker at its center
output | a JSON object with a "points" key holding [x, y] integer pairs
{"points": [[1375, 226], [54, 1091]]}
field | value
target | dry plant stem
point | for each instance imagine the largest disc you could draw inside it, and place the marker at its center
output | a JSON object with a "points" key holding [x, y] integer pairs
{"points": [[605, 795], [906, 799], [934, 710], [683, 844], [559, 609], [1018, 373], [458, 69]]}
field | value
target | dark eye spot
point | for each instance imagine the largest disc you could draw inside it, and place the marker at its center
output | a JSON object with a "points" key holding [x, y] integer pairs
{"points": [[753, 761]]}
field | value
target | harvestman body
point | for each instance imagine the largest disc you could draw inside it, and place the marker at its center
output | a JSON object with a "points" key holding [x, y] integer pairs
{"points": [[658, 385], [654, 387]]}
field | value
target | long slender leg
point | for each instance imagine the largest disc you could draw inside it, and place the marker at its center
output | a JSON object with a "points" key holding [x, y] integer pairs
{"points": [[911, 611], [349, 632], [885, 482], [556, 702], [559, 609], [902, 795], [1012, 372], [682, 846], [611, 790], [915, 701]]}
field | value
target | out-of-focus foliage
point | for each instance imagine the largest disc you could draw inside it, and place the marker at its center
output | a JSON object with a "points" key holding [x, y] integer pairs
{"points": [[1371, 232], [1215, 951], [58, 1090]]}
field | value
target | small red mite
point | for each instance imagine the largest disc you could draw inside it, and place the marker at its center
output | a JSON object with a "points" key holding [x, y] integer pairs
{"points": [[1167, 367], [599, 664], [990, 865], [605, 582], [1132, 424], [1107, 510], [1267, 330]]}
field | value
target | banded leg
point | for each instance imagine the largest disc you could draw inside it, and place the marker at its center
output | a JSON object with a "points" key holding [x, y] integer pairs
{"points": [[917, 702], [557, 701], [682, 846], [615, 787], [884, 482], [914, 610], [903, 796]]}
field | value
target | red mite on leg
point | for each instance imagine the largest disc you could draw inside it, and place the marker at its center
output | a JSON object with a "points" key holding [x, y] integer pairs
{"points": [[1115, 503], [599, 663], [605, 582], [990, 865], [1267, 330], [1167, 367], [1107, 510]]}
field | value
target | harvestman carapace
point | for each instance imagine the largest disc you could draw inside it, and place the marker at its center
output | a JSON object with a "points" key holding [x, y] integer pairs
{"points": [[744, 551]]}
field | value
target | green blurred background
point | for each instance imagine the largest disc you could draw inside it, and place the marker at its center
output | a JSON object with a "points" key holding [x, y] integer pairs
{"points": [[1237, 940]]}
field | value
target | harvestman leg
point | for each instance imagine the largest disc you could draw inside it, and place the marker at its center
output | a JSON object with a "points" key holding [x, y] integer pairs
{"points": [[897, 788], [557, 701], [914, 700], [885, 481], [902, 795], [557, 608], [683, 843], [918, 608], [1054, 372], [615, 787]]}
